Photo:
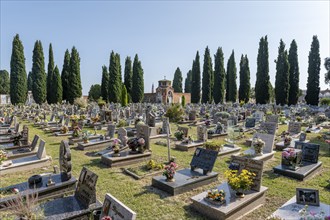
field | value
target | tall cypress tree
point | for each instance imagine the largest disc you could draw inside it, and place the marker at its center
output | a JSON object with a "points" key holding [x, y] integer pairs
{"points": [[196, 81], [105, 84], [244, 80], [74, 80], [39, 88], [18, 82], [4, 82], [313, 81], [65, 75], [219, 77], [29, 81], [262, 82], [50, 76], [114, 79], [138, 81], [124, 97], [57, 87], [293, 74], [177, 80], [327, 67], [282, 76], [231, 89], [187, 82], [207, 81], [128, 77]]}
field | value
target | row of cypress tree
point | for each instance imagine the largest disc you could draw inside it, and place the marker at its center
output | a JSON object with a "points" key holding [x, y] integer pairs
{"points": [[51, 87], [219, 85], [112, 87]]}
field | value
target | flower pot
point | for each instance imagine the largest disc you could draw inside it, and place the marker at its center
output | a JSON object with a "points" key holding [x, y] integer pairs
{"points": [[214, 202], [86, 141], [170, 179], [239, 194]]}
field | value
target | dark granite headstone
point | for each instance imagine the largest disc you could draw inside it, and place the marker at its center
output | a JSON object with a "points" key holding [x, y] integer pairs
{"points": [[302, 137], [65, 160], [204, 159], [310, 152], [86, 192], [250, 122]]}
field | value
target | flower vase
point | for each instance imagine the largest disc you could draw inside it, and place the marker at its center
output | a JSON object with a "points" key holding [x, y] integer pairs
{"points": [[239, 194], [85, 141], [170, 179], [258, 149]]}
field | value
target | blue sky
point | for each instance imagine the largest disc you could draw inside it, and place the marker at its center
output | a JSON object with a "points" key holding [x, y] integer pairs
{"points": [[165, 34]]}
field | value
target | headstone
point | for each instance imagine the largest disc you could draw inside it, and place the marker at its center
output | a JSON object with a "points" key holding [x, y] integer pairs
{"points": [[259, 115], [294, 127], [272, 118], [201, 133], [165, 126], [184, 130], [192, 115], [34, 142], [111, 130], [204, 159], [116, 209], [143, 132], [85, 191], [302, 137], [250, 122], [255, 166], [122, 136], [65, 160], [41, 150], [310, 152], [268, 127], [268, 139]]}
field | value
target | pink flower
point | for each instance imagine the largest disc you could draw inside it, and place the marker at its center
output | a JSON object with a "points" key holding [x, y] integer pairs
{"points": [[141, 141], [15, 190], [285, 154]]}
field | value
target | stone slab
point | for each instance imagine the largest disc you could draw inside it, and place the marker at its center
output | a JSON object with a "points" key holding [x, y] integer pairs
{"points": [[124, 159], [280, 145], [290, 210], [228, 150], [94, 144], [60, 188], [188, 147], [263, 157], [305, 172], [72, 140], [216, 136], [24, 163], [234, 208], [185, 180], [68, 208]]}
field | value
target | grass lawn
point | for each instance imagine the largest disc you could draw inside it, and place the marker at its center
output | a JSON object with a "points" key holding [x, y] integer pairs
{"points": [[151, 203]]}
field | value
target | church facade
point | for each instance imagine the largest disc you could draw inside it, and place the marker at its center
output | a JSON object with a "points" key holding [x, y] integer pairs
{"points": [[165, 94]]}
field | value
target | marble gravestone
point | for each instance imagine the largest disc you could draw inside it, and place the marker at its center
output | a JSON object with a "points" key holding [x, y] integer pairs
{"points": [[234, 208], [184, 130], [122, 136], [201, 133], [187, 179], [116, 209], [272, 118], [255, 166], [268, 128], [111, 130], [309, 166], [143, 132], [294, 127]]}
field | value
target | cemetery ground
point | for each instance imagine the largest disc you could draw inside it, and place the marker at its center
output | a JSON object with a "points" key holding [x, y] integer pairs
{"points": [[151, 203]]}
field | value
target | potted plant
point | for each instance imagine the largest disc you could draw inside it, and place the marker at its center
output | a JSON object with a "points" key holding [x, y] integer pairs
{"points": [[3, 156], [179, 135], [290, 158], [76, 132], [137, 145], [16, 139], [85, 137], [169, 172], [287, 140], [115, 148], [64, 129], [239, 181], [258, 145], [215, 197]]}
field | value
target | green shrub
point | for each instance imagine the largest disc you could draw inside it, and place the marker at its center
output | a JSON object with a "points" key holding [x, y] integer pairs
{"points": [[223, 114], [325, 101], [212, 145], [175, 113], [121, 123], [81, 102]]}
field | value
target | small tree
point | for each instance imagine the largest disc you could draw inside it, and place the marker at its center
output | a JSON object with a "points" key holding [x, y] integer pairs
{"points": [[94, 92], [4, 82], [183, 101]]}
